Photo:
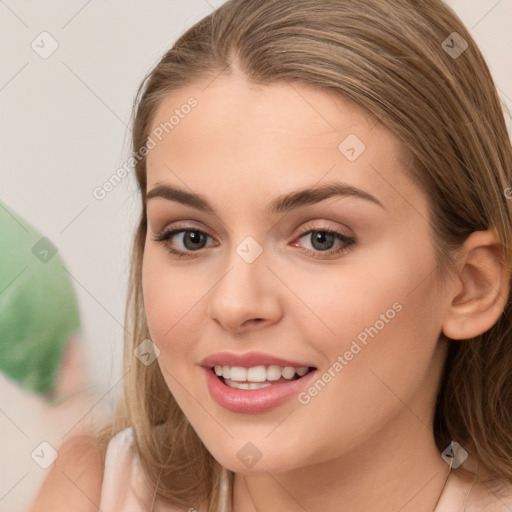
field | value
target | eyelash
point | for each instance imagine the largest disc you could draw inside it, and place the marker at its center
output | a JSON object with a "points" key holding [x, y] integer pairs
{"points": [[165, 236]]}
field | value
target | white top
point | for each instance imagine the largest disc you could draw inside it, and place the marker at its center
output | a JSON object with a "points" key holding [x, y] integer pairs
{"points": [[126, 488]]}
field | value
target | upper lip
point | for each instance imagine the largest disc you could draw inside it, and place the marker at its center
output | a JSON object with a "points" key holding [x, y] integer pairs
{"points": [[248, 359]]}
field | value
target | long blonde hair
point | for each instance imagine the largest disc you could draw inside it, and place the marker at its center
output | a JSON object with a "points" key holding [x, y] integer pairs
{"points": [[393, 59]]}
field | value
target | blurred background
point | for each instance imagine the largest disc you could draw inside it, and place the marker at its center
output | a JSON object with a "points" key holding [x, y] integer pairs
{"points": [[69, 73]]}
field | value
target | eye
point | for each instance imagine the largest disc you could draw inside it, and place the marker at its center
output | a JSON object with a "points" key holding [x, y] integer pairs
{"points": [[323, 241], [191, 240]]}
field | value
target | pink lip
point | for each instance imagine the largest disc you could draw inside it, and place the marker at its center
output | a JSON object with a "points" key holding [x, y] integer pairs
{"points": [[248, 359], [254, 401]]}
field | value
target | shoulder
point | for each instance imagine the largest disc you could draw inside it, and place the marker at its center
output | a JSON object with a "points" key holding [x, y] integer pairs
{"points": [[75, 477], [120, 442], [125, 484], [490, 496], [480, 492], [79, 477]]}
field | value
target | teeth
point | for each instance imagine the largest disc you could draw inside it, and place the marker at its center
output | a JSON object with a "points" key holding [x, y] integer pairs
{"points": [[226, 372], [259, 374], [273, 372], [238, 373], [302, 371], [247, 385], [254, 374], [288, 372]]}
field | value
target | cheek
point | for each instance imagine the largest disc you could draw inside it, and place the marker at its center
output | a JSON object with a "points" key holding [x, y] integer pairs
{"points": [[345, 299], [386, 360], [169, 299], [383, 314]]}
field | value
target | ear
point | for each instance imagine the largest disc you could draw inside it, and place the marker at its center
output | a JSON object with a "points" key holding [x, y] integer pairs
{"points": [[483, 287]]}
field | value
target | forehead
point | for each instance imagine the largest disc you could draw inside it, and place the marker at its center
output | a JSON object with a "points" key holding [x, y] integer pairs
{"points": [[295, 108], [273, 136]]}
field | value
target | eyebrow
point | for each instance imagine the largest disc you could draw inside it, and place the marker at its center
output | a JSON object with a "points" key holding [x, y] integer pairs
{"points": [[285, 203]]}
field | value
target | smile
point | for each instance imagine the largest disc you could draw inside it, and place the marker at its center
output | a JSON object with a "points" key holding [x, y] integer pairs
{"points": [[257, 377], [255, 389]]}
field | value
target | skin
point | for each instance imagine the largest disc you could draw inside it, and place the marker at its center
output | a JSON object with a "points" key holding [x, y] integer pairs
{"points": [[366, 437]]}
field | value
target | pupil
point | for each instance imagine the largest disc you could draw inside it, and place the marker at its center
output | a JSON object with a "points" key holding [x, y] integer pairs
{"points": [[320, 238], [194, 237]]}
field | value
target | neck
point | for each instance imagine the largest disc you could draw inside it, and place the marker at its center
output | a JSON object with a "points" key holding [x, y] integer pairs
{"points": [[399, 472]]}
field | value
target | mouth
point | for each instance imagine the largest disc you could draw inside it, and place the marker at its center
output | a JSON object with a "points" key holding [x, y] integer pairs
{"points": [[258, 377], [256, 389]]}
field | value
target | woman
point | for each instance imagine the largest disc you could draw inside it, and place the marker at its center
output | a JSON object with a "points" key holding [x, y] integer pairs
{"points": [[320, 284]]}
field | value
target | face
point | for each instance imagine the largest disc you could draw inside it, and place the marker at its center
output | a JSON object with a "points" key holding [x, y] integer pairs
{"points": [[344, 284]]}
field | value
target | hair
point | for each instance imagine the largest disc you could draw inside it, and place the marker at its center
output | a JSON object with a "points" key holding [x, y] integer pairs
{"points": [[388, 58]]}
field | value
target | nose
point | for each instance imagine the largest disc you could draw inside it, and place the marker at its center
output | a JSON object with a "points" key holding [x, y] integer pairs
{"points": [[246, 296]]}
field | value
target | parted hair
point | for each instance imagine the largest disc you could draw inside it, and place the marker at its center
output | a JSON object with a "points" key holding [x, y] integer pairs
{"points": [[393, 59]]}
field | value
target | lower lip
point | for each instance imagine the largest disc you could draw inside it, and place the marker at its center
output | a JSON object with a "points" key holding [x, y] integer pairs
{"points": [[253, 401]]}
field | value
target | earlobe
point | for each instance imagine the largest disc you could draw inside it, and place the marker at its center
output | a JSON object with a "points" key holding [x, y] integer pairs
{"points": [[485, 280]]}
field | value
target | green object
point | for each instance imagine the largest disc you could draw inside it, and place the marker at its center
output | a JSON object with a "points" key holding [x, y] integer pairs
{"points": [[38, 307]]}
